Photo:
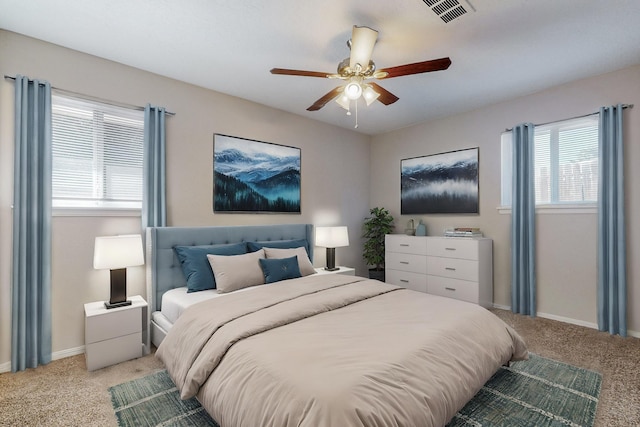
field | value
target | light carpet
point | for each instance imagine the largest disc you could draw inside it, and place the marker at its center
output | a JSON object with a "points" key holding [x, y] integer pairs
{"points": [[538, 392]]}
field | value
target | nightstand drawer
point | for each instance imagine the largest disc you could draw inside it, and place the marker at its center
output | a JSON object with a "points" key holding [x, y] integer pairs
{"points": [[113, 323], [454, 268], [405, 244], [413, 281], [453, 288], [116, 350], [453, 248], [406, 262]]}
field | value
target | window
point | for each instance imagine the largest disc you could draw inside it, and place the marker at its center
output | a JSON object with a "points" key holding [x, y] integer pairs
{"points": [[565, 162], [97, 154]]}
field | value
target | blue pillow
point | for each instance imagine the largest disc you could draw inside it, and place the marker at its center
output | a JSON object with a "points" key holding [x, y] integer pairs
{"points": [[278, 244], [196, 267], [279, 269]]}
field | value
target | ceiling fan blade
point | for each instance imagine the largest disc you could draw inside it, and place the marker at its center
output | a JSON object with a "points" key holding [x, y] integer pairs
{"points": [[325, 99], [362, 41], [303, 73], [385, 97], [415, 68]]}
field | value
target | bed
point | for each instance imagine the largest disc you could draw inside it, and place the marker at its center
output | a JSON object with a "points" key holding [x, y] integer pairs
{"points": [[321, 350]]}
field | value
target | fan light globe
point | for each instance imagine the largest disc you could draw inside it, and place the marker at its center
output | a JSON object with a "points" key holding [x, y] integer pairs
{"points": [[370, 95], [343, 101], [353, 90]]}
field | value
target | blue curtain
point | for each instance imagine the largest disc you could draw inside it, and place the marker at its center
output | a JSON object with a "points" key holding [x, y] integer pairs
{"points": [[523, 245], [612, 277], [31, 268], [154, 202]]}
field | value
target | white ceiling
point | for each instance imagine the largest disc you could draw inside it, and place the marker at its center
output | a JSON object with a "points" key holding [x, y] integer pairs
{"points": [[503, 49]]}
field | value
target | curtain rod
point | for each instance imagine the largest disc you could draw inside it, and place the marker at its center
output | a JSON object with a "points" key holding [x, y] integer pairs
{"points": [[572, 118], [93, 98]]}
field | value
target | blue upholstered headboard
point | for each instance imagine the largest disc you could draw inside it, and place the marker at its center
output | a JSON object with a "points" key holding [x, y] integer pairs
{"points": [[163, 268]]}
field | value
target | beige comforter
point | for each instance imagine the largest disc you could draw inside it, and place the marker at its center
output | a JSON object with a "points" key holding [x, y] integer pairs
{"points": [[335, 350]]}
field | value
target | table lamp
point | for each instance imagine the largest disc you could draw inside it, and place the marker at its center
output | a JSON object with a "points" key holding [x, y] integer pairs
{"points": [[116, 253], [332, 238]]}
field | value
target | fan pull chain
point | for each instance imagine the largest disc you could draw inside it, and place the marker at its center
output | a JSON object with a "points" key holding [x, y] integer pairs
{"points": [[356, 102]]}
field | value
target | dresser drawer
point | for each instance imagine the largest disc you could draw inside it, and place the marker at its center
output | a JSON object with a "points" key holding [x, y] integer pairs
{"points": [[453, 248], [453, 288], [413, 281], [405, 244], [406, 262], [463, 269]]}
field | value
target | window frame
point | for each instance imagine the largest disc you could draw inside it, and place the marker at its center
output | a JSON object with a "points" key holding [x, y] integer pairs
{"points": [[102, 206], [555, 207]]}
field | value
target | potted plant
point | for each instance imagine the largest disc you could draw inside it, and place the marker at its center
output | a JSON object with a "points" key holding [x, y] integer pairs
{"points": [[375, 227]]}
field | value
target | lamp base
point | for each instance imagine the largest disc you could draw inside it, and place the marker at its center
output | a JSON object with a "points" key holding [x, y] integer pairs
{"points": [[118, 296], [331, 260], [109, 305]]}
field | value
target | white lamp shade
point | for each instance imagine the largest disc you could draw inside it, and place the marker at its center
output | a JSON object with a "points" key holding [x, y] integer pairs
{"points": [[113, 252], [332, 237], [370, 95], [343, 101]]}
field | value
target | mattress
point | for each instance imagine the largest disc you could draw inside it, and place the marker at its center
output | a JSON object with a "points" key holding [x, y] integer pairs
{"points": [[176, 301]]}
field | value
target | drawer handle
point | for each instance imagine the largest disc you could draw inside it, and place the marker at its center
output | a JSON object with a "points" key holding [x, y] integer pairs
{"points": [[404, 281], [451, 289], [449, 249], [404, 244], [404, 262], [450, 268]]}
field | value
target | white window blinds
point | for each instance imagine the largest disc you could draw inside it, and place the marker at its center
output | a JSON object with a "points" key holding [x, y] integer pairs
{"points": [[565, 162], [97, 154]]}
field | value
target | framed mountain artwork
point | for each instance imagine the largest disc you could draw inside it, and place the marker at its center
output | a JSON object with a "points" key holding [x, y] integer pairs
{"points": [[255, 177], [445, 183]]}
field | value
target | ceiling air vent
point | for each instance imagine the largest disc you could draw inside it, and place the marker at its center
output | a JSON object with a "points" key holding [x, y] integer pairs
{"points": [[447, 10]]}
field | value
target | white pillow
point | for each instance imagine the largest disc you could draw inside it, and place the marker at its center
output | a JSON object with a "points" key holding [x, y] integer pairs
{"points": [[306, 268], [233, 272]]}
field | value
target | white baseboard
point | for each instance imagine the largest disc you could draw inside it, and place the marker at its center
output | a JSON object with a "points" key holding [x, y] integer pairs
{"points": [[6, 367], [567, 320], [67, 353]]}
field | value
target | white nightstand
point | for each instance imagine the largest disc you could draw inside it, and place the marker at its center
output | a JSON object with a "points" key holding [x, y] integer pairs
{"points": [[115, 335], [349, 271]]}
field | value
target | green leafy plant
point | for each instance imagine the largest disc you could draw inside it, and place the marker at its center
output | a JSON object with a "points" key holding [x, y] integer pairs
{"points": [[375, 227]]}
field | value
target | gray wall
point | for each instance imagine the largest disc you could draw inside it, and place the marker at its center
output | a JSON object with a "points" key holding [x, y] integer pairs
{"points": [[566, 243], [199, 114], [331, 157]]}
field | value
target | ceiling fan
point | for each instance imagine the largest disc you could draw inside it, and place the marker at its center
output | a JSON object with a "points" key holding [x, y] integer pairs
{"points": [[359, 69]]}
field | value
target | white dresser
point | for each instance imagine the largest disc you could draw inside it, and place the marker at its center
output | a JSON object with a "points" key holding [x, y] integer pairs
{"points": [[453, 267]]}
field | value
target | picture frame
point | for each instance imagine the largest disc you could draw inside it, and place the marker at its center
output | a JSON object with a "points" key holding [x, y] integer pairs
{"points": [[251, 176], [444, 183]]}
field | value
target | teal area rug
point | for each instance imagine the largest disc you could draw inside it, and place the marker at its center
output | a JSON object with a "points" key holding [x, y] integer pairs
{"points": [[538, 392], [155, 401]]}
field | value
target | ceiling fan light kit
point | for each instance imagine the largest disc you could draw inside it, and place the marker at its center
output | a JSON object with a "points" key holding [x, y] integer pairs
{"points": [[355, 74]]}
